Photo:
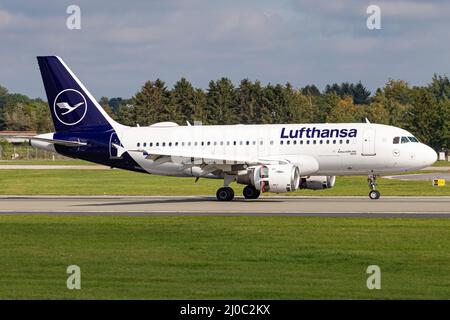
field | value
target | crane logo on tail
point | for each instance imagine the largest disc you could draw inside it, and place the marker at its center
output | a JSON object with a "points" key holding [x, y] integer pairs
{"points": [[70, 107]]}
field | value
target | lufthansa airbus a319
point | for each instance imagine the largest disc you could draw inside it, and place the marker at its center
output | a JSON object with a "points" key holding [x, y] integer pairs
{"points": [[266, 158]]}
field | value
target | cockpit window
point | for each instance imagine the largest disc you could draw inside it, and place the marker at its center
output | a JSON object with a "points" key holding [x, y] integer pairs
{"points": [[413, 139], [405, 140], [396, 140]]}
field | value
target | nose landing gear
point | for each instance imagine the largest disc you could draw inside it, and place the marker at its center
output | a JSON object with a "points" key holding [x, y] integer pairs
{"points": [[373, 194]]}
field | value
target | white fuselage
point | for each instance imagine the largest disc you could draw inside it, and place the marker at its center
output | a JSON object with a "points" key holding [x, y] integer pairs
{"points": [[370, 151]]}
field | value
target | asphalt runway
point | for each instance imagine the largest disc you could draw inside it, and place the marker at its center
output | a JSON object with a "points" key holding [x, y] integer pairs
{"points": [[421, 176], [209, 206]]}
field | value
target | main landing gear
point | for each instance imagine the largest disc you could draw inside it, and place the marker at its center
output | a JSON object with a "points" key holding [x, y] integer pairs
{"points": [[372, 181], [250, 192], [227, 194]]}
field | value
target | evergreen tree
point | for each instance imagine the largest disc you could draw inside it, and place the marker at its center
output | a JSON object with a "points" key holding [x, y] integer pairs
{"points": [[182, 101], [440, 87], [221, 108], [310, 90], [3, 95], [248, 96], [104, 103], [150, 105], [360, 94], [200, 102]]}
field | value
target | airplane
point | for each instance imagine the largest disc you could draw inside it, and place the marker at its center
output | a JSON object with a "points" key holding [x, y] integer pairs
{"points": [[276, 158]]}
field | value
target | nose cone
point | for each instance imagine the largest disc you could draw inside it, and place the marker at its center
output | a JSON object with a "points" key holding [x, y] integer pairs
{"points": [[428, 156]]}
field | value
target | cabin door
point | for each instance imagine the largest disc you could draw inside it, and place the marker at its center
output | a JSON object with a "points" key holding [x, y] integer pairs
{"points": [[368, 144]]}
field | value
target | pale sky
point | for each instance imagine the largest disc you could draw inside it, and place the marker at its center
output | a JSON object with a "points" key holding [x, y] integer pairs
{"points": [[122, 44]]}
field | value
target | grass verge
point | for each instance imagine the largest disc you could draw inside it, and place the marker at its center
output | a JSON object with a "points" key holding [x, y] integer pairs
{"points": [[118, 182], [223, 257]]}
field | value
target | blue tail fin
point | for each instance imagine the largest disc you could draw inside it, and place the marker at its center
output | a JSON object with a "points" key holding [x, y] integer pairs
{"points": [[71, 105]]}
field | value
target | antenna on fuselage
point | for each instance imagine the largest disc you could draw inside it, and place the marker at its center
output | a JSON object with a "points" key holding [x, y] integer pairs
{"points": [[367, 120]]}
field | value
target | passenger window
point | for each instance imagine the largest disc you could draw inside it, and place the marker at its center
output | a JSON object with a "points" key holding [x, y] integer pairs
{"points": [[138, 144], [396, 140], [405, 140]]}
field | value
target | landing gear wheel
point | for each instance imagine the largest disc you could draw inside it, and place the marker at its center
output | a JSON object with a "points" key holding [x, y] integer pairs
{"points": [[250, 192], [374, 194], [225, 194], [372, 181]]}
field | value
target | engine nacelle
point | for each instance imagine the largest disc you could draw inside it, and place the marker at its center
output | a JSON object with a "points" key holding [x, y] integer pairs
{"points": [[275, 178], [317, 182]]}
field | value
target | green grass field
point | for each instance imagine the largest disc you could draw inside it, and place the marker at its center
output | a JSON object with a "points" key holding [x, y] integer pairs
{"points": [[223, 257], [215, 257], [441, 164], [68, 162], [119, 182]]}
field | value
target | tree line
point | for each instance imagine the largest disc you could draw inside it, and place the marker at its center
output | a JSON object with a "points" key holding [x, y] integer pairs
{"points": [[423, 110]]}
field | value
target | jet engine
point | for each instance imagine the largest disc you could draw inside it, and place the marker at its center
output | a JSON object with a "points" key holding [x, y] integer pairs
{"points": [[275, 178], [317, 182]]}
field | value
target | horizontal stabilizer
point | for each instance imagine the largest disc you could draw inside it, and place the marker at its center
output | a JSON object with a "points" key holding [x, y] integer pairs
{"points": [[65, 143]]}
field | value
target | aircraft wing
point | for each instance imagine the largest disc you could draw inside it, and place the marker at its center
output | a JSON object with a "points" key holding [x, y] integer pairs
{"points": [[196, 157], [213, 162]]}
